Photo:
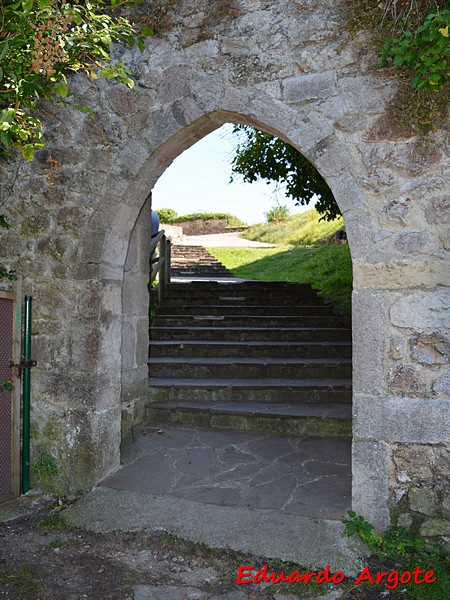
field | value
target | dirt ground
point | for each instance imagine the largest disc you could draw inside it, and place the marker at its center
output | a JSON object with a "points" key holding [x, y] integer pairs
{"points": [[43, 559]]}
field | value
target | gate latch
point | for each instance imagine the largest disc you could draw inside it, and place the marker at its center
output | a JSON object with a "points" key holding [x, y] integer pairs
{"points": [[24, 364]]}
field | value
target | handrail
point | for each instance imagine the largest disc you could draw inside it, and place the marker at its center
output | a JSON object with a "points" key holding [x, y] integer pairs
{"points": [[156, 237], [160, 255]]}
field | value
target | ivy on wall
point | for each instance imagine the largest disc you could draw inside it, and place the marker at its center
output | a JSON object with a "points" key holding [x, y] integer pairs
{"points": [[413, 39], [427, 52]]}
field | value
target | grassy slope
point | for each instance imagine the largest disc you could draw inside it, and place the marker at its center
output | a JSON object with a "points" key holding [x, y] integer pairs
{"points": [[304, 229], [328, 268]]}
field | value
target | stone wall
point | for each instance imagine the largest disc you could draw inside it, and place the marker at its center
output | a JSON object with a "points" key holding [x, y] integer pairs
{"points": [[135, 324], [290, 69], [173, 232], [204, 226], [199, 227]]}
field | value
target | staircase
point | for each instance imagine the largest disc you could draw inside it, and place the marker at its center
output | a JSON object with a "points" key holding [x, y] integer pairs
{"points": [[195, 261], [253, 355]]}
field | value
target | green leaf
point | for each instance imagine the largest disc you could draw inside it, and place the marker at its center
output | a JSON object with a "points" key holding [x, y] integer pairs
{"points": [[147, 31], [4, 222], [128, 82], [7, 115], [28, 152], [6, 140], [62, 89], [441, 64], [435, 79], [6, 384], [4, 52]]}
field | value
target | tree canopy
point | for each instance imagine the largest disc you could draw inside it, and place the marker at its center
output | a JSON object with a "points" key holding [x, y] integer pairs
{"points": [[41, 42], [260, 155]]}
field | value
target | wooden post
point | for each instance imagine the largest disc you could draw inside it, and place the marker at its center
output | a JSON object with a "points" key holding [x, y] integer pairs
{"points": [[168, 262], [162, 271]]}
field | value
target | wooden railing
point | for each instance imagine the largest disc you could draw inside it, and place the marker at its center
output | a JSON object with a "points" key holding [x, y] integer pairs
{"points": [[160, 250]]}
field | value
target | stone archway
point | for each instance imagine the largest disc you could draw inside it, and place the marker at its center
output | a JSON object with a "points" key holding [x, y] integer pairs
{"points": [[286, 69]]}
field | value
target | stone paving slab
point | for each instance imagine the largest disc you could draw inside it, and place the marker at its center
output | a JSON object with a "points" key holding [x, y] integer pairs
{"points": [[147, 592], [310, 476], [167, 592]]}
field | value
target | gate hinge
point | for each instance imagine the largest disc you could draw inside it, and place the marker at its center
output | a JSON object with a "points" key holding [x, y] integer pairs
{"points": [[24, 364]]}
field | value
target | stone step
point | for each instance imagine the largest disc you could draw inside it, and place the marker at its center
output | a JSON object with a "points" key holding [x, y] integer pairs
{"points": [[256, 368], [200, 271], [225, 299], [182, 260], [287, 391], [246, 320], [199, 348], [195, 261], [247, 285], [241, 296], [312, 420], [239, 287], [292, 334], [198, 266], [257, 356], [182, 248], [182, 308]]}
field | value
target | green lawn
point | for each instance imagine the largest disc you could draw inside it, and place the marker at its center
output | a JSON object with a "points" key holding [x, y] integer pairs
{"points": [[328, 268]]}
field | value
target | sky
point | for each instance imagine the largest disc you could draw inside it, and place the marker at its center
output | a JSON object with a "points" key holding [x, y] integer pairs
{"points": [[199, 181]]}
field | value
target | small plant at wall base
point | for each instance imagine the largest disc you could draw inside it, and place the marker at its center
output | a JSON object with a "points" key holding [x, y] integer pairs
{"points": [[393, 542], [46, 464], [399, 552], [47, 474]]}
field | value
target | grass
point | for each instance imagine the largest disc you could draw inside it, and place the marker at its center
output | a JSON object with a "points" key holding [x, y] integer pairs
{"points": [[327, 268], [55, 522], [398, 552], [23, 580], [56, 544], [440, 590], [304, 229]]}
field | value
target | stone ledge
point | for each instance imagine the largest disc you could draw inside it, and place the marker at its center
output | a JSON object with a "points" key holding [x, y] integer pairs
{"points": [[402, 419], [400, 276]]}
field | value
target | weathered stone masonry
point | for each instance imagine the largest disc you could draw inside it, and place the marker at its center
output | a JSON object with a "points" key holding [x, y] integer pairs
{"points": [[80, 238]]}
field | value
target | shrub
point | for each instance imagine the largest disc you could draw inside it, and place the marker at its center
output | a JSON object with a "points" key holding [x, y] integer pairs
{"points": [[167, 215], [280, 212]]}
